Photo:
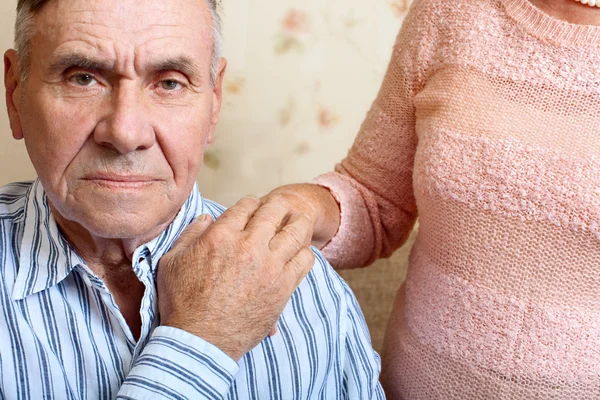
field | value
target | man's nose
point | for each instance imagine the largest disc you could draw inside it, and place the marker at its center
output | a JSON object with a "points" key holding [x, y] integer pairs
{"points": [[125, 126]]}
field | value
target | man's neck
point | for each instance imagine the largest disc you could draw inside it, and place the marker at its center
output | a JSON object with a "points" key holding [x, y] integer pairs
{"points": [[111, 261], [104, 256], [109, 254], [570, 11]]}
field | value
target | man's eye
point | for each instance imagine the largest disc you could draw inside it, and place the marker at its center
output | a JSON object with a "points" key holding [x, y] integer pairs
{"points": [[170, 84], [83, 80]]}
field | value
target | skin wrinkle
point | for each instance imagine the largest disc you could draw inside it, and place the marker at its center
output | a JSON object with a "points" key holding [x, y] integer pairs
{"points": [[96, 41], [99, 38], [26, 28]]}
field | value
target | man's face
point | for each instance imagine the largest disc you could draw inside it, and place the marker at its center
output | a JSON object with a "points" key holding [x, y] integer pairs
{"points": [[117, 109]]}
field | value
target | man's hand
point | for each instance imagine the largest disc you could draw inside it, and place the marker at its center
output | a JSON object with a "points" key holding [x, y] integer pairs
{"points": [[228, 281]]}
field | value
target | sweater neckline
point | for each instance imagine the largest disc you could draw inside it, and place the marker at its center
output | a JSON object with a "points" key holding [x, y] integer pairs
{"points": [[545, 26]]}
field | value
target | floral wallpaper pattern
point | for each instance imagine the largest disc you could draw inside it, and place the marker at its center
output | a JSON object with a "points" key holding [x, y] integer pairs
{"points": [[300, 78]]}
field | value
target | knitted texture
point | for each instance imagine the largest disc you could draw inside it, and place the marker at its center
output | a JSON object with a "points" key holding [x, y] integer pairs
{"points": [[487, 126]]}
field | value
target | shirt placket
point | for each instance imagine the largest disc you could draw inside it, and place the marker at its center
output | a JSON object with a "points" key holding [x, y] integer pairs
{"points": [[149, 306]]}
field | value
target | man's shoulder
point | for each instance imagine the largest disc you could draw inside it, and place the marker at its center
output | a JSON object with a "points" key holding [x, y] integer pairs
{"points": [[13, 199]]}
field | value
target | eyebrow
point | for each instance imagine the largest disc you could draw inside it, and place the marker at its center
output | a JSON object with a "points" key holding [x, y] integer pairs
{"points": [[75, 60], [183, 64]]}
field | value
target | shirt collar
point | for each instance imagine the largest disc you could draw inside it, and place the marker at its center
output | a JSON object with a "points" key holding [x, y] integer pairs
{"points": [[156, 248], [46, 258]]}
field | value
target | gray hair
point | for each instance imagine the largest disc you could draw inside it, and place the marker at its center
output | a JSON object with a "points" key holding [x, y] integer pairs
{"points": [[26, 10]]}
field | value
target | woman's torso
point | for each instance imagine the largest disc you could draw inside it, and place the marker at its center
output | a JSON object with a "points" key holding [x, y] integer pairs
{"points": [[502, 298]]}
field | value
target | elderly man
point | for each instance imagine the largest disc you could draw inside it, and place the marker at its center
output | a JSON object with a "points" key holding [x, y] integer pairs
{"points": [[108, 288]]}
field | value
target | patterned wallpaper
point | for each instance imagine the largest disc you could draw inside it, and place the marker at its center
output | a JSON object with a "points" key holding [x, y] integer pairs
{"points": [[301, 77]]}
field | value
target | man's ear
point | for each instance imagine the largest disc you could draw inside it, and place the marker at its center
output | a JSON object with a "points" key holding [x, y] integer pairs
{"points": [[13, 85], [217, 99]]}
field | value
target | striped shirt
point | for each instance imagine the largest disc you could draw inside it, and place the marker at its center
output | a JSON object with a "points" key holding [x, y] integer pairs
{"points": [[62, 335]]}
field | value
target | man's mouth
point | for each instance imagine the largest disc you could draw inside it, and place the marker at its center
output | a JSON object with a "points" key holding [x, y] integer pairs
{"points": [[120, 181]]}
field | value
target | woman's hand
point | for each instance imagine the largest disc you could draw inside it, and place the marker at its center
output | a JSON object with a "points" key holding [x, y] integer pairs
{"points": [[314, 201]]}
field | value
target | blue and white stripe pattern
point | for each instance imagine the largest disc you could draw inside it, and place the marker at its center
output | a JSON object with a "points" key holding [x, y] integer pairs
{"points": [[63, 337]]}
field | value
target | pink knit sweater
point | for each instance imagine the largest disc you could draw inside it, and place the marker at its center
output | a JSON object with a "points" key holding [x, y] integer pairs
{"points": [[487, 126]]}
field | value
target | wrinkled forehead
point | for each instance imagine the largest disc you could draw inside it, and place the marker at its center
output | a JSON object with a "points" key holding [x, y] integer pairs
{"points": [[119, 28]]}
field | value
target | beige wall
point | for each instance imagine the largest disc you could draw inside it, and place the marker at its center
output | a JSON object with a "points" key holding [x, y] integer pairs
{"points": [[300, 79]]}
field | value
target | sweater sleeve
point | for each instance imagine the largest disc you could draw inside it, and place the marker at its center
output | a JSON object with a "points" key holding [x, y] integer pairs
{"points": [[373, 184]]}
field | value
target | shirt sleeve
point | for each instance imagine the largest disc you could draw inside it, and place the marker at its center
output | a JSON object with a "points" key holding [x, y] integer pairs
{"points": [[373, 184], [362, 364], [176, 364]]}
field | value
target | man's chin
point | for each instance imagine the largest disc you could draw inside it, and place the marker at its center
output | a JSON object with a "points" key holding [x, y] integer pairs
{"points": [[142, 228], [122, 220], [117, 214]]}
